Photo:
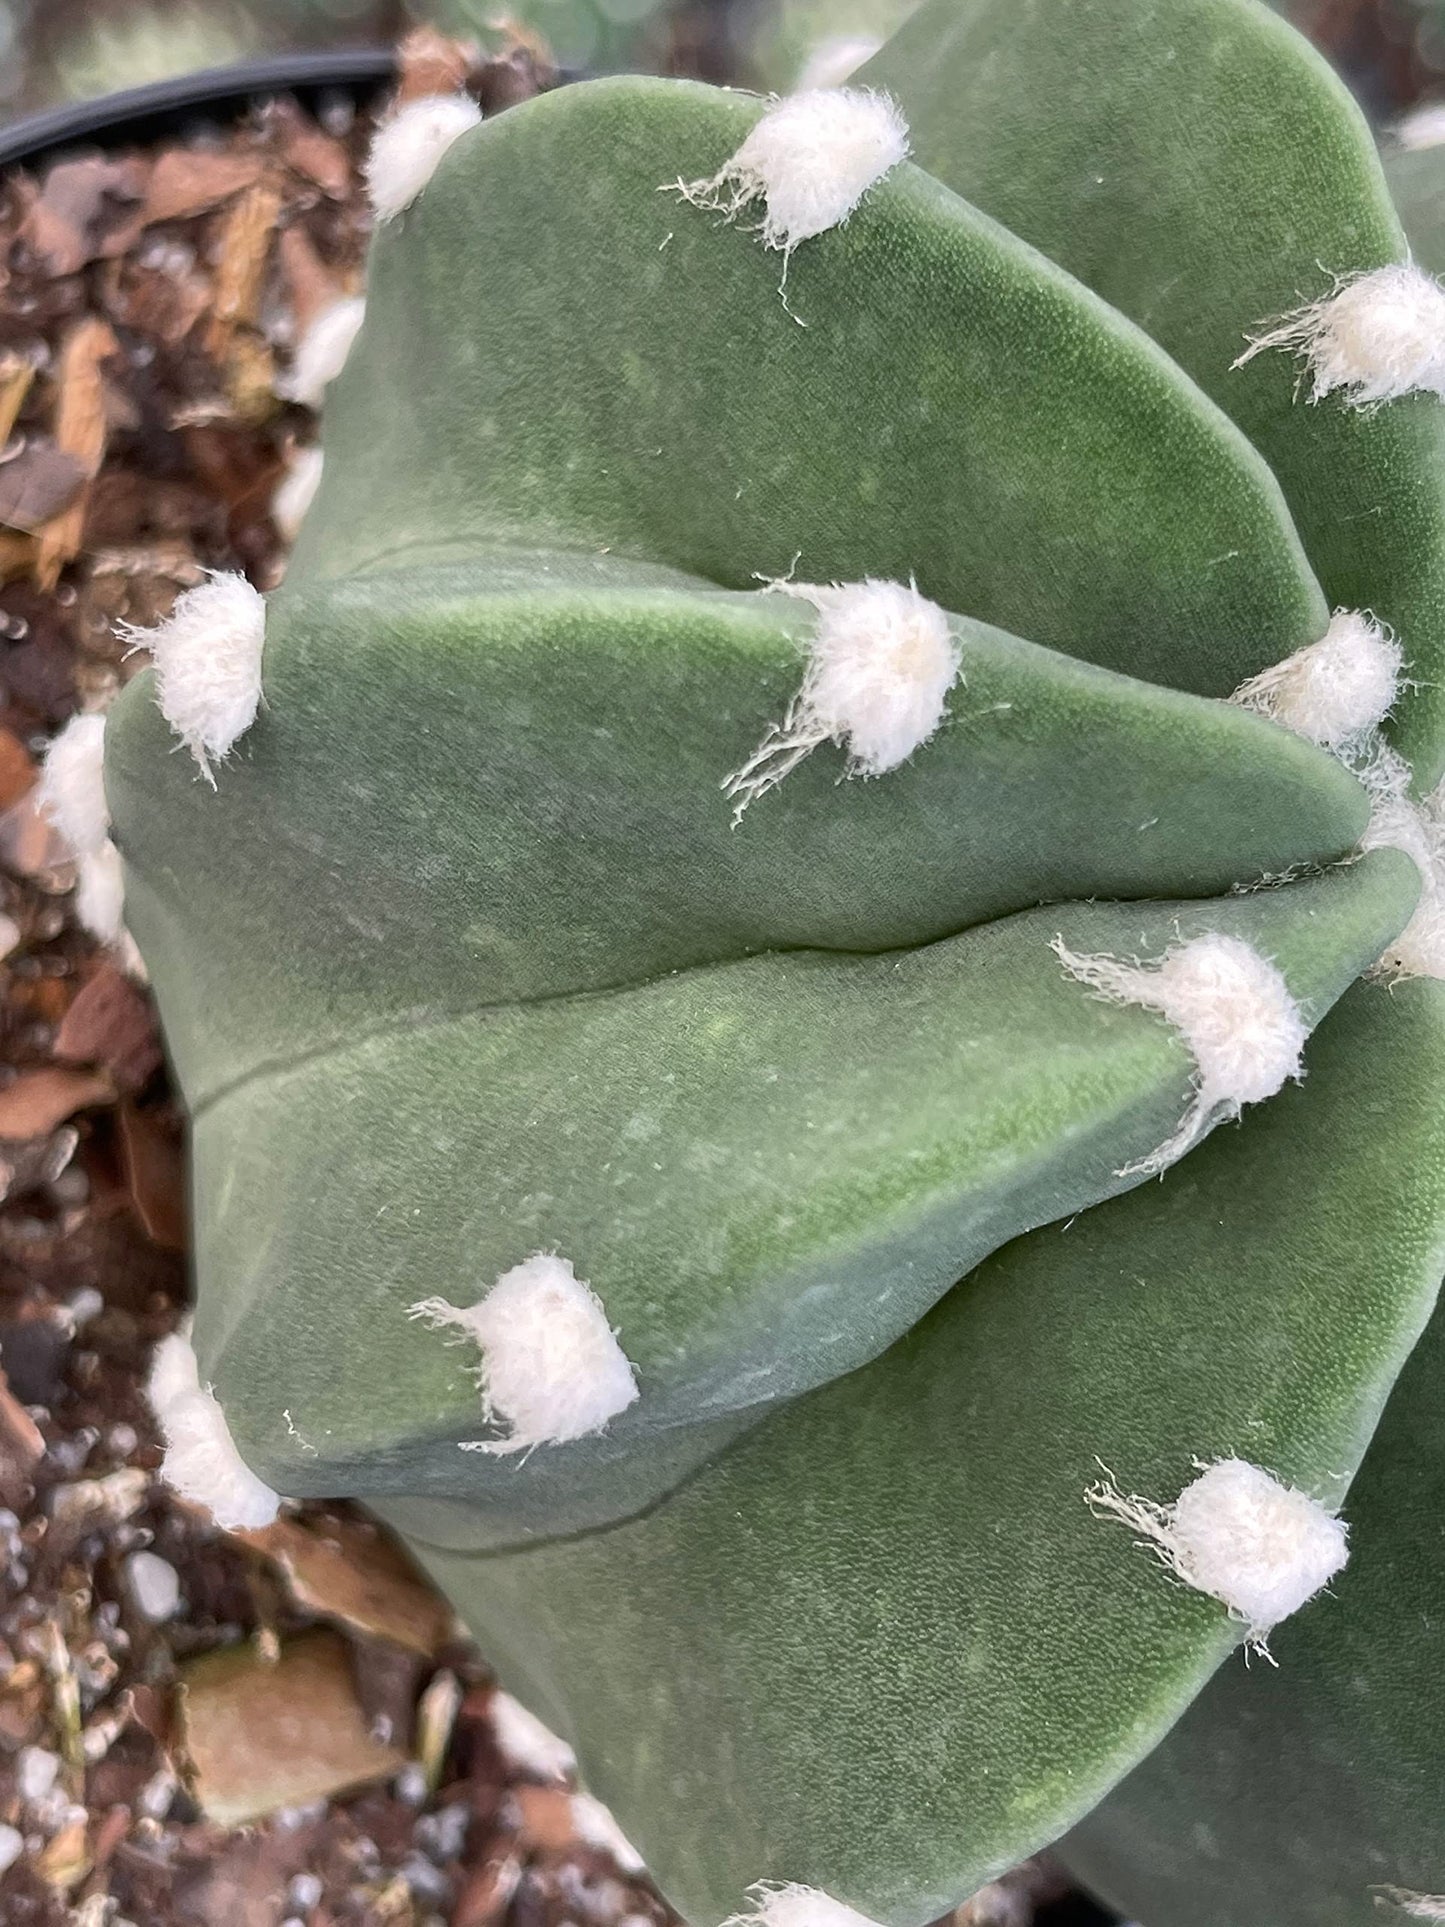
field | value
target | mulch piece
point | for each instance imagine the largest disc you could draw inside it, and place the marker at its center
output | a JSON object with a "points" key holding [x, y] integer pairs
{"points": [[150, 302]]}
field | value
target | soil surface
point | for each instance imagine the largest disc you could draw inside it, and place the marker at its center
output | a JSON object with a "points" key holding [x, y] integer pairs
{"points": [[201, 1727]]}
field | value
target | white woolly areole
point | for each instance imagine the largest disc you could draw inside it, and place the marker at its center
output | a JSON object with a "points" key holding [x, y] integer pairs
{"points": [[297, 492], [525, 1743], [880, 666], [1232, 1008], [1397, 823], [1260, 1547], [100, 893], [1412, 1905], [786, 1904], [201, 1461], [1425, 127], [72, 785], [552, 1369], [810, 160], [207, 656], [1332, 691], [408, 147], [1377, 336], [321, 352], [835, 60]]}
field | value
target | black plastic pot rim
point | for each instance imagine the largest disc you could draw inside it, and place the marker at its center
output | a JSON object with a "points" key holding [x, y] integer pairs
{"points": [[169, 108]]}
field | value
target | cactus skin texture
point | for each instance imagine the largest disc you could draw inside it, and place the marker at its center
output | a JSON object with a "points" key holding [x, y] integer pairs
{"points": [[464, 959]]}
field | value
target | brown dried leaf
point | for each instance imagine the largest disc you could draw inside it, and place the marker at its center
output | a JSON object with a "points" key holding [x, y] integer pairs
{"points": [[17, 555], [38, 482], [155, 1176], [35, 1102], [17, 769], [545, 1822], [244, 251], [259, 1737], [351, 1573], [111, 1024], [80, 429], [187, 181], [17, 372]]}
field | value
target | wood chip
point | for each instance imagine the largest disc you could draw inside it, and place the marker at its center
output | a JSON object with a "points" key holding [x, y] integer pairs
{"points": [[311, 152], [154, 1167], [17, 372], [111, 1024], [311, 285], [37, 483], [262, 1736], [80, 430], [31, 846], [17, 769], [87, 209], [431, 63], [244, 252], [352, 1574], [187, 181], [35, 1102]]}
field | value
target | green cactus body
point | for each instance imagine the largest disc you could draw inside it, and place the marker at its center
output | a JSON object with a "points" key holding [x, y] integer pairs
{"points": [[476, 979]]}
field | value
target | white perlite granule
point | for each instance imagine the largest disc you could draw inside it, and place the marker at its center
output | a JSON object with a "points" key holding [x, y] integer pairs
{"points": [[1334, 691], [297, 491], [810, 160], [201, 1461], [552, 1369], [1260, 1547], [880, 667], [1375, 337], [207, 657], [407, 149], [72, 785], [1232, 1008]]}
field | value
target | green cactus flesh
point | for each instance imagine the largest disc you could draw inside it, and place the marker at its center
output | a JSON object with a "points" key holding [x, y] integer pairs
{"points": [[464, 958]]}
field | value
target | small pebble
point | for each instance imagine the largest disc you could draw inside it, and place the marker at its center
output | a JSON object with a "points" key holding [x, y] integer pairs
{"points": [[84, 1305], [36, 1772], [9, 939], [410, 1785], [12, 1845], [304, 1893], [155, 1586]]}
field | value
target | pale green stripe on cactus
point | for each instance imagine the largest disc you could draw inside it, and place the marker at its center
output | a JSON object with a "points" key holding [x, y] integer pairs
{"points": [[881, 1646], [767, 1171], [1302, 1799], [562, 352], [1202, 168], [557, 822]]}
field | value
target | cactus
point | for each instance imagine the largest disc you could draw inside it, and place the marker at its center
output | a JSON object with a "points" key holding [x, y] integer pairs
{"points": [[735, 823]]}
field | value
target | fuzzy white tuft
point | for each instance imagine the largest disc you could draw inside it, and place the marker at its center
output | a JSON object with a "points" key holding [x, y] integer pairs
{"points": [[786, 1904], [297, 492], [72, 785], [100, 894], [1412, 1905], [1333, 691], [810, 160], [1425, 127], [1260, 1547], [207, 656], [835, 60], [1376, 336], [321, 352], [525, 1743], [201, 1461], [1232, 1008], [596, 1825], [1418, 829], [880, 666], [408, 147], [552, 1369]]}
